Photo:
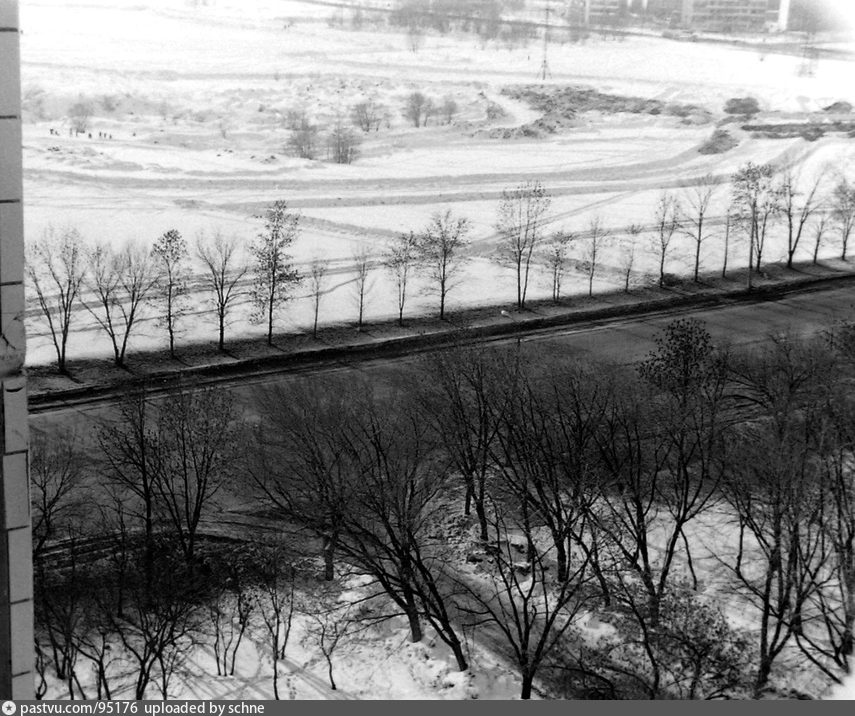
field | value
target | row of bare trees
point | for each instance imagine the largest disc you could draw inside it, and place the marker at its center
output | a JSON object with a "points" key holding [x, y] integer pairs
{"points": [[760, 199], [494, 495], [116, 285], [589, 491], [341, 143], [119, 283], [306, 140]]}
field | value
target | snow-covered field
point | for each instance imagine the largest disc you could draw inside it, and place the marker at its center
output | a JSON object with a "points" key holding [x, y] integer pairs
{"points": [[189, 133]]}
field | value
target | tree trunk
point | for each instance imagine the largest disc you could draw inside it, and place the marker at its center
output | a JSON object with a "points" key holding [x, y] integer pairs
{"points": [[271, 302], [329, 555], [459, 656], [726, 248], [329, 670], [275, 673], [527, 679], [560, 558], [698, 258], [482, 519], [413, 617], [763, 672], [467, 502]]}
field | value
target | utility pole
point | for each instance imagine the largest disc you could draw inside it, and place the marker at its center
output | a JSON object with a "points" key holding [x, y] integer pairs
{"points": [[16, 555], [544, 65], [810, 55]]}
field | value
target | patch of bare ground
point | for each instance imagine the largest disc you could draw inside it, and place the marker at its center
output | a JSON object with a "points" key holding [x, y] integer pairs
{"points": [[560, 106]]}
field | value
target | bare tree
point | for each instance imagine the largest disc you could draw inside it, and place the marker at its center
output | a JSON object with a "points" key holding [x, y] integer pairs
{"points": [[532, 610], [698, 200], [667, 220], [728, 229], [395, 508], [463, 398], [273, 272], [368, 115], [418, 108], [330, 623], [770, 482], [122, 282], [520, 220], [59, 597], [275, 599], [318, 269], [295, 117], [796, 212], [303, 140], [628, 253], [126, 451], [544, 456], [80, 114], [372, 486], [827, 631], [401, 258], [448, 109], [57, 470], [194, 456], [342, 143], [224, 271], [56, 269], [440, 247], [596, 238], [231, 605], [651, 438], [159, 626], [843, 212], [170, 254], [754, 203], [818, 235], [769, 488], [415, 38], [556, 260], [300, 464], [362, 264], [694, 653]]}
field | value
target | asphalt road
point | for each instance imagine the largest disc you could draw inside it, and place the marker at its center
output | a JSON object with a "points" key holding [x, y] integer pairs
{"points": [[737, 324], [622, 340]]}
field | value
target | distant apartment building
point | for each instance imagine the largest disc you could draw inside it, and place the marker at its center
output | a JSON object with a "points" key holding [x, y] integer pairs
{"points": [[603, 12], [710, 15], [735, 15]]}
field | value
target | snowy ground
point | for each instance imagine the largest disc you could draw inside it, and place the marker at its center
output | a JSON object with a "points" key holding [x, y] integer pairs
{"points": [[194, 98]]}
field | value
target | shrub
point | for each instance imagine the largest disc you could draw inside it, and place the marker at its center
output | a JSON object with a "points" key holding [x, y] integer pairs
{"points": [[742, 105], [721, 141]]}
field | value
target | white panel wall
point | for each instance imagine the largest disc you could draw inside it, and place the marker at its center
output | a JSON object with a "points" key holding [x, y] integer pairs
{"points": [[16, 572]]}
